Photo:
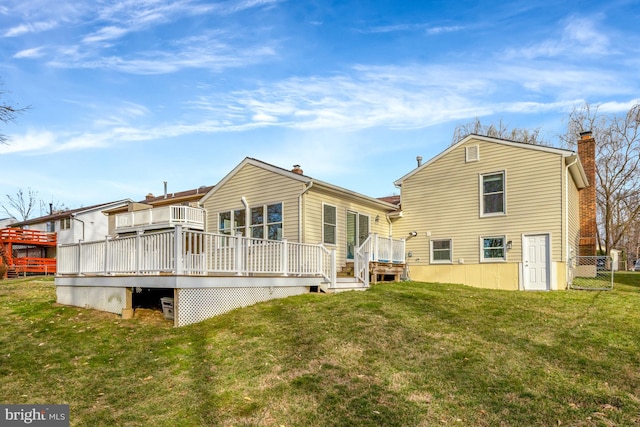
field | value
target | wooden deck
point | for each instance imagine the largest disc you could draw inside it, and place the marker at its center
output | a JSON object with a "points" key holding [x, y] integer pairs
{"points": [[379, 271], [13, 239]]}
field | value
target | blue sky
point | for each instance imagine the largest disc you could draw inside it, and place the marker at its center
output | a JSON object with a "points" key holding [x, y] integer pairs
{"points": [[126, 94]]}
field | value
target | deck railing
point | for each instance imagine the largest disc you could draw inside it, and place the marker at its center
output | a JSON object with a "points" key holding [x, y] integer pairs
{"points": [[384, 249], [179, 251], [23, 236], [168, 216]]}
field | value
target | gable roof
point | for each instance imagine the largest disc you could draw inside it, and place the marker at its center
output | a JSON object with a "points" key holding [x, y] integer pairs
{"points": [[192, 194], [70, 212], [560, 151], [304, 179]]}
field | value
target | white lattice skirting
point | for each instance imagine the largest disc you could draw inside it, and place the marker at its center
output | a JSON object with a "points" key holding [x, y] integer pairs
{"points": [[197, 304]]}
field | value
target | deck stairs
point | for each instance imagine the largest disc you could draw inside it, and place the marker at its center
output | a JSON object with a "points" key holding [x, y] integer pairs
{"points": [[378, 271], [5, 259]]}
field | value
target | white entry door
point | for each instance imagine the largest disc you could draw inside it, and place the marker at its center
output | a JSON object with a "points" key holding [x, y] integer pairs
{"points": [[536, 262]]}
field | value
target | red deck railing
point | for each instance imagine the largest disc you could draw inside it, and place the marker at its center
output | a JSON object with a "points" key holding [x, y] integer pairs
{"points": [[35, 265], [27, 237]]}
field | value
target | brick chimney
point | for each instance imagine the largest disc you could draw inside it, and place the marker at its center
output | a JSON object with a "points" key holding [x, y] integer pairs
{"points": [[587, 196], [297, 169], [149, 196]]}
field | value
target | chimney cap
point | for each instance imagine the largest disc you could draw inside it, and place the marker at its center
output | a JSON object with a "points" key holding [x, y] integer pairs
{"points": [[585, 134]]}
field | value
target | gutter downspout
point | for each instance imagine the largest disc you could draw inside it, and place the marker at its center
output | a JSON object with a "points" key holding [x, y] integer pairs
{"points": [[247, 218], [82, 222], [307, 188], [566, 222], [390, 224]]}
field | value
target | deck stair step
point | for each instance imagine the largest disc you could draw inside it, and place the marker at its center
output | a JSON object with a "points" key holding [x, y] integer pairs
{"points": [[12, 273]]}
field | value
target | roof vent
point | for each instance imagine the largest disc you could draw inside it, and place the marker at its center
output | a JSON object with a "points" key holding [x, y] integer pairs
{"points": [[472, 153]]}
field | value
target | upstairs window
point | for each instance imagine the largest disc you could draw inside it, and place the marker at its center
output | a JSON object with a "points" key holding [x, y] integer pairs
{"points": [[65, 224], [492, 188]]}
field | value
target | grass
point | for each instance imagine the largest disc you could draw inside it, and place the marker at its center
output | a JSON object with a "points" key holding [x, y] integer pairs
{"points": [[409, 354]]}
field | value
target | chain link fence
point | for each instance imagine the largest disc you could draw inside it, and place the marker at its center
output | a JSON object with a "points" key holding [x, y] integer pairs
{"points": [[591, 273]]}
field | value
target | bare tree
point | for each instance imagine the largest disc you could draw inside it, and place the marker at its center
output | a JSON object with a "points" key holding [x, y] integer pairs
{"points": [[501, 130], [22, 204], [8, 113], [617, 171]]}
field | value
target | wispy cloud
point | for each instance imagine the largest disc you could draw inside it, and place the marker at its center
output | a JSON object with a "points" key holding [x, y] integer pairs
{"points": [[34, 27], [427, 28], [391, 97], [104, 34], [444, 29], [580, 36], [35, 52]]}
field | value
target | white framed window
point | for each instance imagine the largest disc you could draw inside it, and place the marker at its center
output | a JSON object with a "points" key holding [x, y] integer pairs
{"points": [[441, 251], [224, 222], [493, 199], [274, 221], [65, 224], [232, 222], [266, 221], [493, 248], [329, 224]]}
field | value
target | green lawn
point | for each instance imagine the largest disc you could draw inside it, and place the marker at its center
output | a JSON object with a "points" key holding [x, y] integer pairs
{"points": [[409, 354]]}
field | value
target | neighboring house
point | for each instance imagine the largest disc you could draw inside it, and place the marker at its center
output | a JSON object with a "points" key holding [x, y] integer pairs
{"points": [[72, 225], [155, 212], [493, 213], [5, 222]]}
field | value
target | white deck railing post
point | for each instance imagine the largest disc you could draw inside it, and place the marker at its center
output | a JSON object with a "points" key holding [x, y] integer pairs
{"points": [[375, 256], [285, 258], [138, 252], [239, 252], [334, 269], [178, 249], [366, 269], [106, 255], [79, 256]]}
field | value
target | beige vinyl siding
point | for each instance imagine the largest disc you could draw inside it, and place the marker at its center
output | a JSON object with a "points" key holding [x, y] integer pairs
{"points": [[574, 217], [259, 186], [443, 200], [313, 201]]}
